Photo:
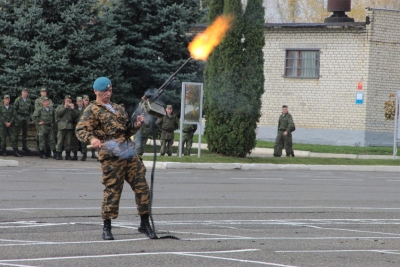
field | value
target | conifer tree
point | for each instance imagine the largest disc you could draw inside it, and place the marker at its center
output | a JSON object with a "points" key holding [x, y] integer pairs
{"points": [[62, 45], [154, 36]]}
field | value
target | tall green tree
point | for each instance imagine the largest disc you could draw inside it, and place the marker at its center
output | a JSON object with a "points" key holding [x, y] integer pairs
{"points": [[232, 106], [62, 45], [154, 36]]}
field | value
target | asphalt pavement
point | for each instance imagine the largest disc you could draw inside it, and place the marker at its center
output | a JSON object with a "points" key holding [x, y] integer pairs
{"points": [[50, 216]]}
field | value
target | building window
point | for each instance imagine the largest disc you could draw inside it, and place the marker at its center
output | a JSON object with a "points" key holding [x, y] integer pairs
{"points": [[302, 64]]}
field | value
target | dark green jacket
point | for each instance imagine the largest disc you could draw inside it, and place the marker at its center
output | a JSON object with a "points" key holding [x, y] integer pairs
{"points": [[38, 102], [65, 118], [168, 125], [23, 109], [41, 114], [7, 115], [286, 123]]}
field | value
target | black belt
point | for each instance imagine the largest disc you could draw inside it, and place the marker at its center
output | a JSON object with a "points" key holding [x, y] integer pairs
{"points": [[281, 130]]}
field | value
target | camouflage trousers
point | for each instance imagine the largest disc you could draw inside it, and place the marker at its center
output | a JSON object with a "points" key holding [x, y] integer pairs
{"points": [[166, 143], [115, 172], [7, 131], [187, 141], [46, 138], [64, 140], [283, 141], [21, 125]]}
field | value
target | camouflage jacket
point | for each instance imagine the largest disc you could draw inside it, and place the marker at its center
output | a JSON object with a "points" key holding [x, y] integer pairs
{"points": [[7, 115], [38, 102], [23, 109], [286, 123], [189, 128], [168, 125], [113, 130], [41, 114], [65, 118]]}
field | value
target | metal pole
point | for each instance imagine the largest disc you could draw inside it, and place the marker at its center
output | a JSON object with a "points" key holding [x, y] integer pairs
{"points": [[396, 128]]}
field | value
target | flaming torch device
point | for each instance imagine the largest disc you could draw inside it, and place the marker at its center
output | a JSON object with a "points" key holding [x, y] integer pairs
{"points": [[200, 48]]}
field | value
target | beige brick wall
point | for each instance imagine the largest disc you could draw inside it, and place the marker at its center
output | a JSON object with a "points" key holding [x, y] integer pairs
{"points": [[324, 103], [384, 65]]}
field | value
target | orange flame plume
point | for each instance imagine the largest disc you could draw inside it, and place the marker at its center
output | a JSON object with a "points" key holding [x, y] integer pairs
{"points": [[204, 43]]}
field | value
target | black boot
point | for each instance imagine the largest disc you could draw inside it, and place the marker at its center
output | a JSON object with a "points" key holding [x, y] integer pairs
{"points": [[25, 147], [84, 156], [75, 157], [5, 152], [145, 227], [292, 153], [94, 154], [54, 154], [42, 154], [68, 155], [59, 156], [48, 153], [37, 145], [16, 153], [107, 235]]}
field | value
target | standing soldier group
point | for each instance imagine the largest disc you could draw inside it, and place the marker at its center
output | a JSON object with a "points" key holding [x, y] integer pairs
{"points": [[55, 128]]}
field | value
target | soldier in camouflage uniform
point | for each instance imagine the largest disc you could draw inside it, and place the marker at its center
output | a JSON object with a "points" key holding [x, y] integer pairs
{"points": [[7, 120], [284, 138], [168, 123], [79, 109], [65, 118], [43, 117], [106, 126], [187, 138], [38, 104], [85, 104], [24, 108]]}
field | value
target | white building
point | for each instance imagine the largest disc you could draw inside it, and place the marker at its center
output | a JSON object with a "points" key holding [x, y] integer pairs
{"points": [[318, 69]]}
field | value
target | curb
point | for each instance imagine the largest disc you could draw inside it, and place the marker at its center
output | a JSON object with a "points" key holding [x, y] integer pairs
{"points": [[8, 163], [261, 167]]}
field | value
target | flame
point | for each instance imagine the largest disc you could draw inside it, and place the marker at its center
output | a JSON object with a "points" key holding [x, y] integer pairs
{"points": [[204, 43]]}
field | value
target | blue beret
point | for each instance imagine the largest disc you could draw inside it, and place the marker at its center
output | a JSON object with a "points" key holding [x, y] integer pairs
{"points": [[101, 84]]}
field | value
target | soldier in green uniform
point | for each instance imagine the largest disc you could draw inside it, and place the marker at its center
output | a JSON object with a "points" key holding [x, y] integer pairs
{"points": [[141, 137], [85, 104], [79, 110], [38, 104], [65, 117], [24, 108], [7, 120], [43, 117], [284, 138], [106, 126], [168, 124], [187, 138]]}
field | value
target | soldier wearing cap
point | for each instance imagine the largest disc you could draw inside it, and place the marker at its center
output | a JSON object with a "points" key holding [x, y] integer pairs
{"points": [[75, 142], [38, 104], [24, 108], [106, 126], [7, 120], [65, 118], [284, 137], [43, 117], [168, 124]]}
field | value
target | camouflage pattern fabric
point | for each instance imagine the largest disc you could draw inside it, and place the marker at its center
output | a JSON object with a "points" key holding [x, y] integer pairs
{"points": [[285, 123], [168, 125], [7, 115], [65, 118], [117, 155], [44, 131], [38, 102], [187, 138], [24, 110]]}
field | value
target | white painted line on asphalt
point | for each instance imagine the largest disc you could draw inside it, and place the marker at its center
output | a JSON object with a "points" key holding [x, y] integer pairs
{"points": [[215, 207], [16, 265], [335, 179], [347, 230], [237, 260], [337, 251], [256, 178], [393, 180], [128, 254]]}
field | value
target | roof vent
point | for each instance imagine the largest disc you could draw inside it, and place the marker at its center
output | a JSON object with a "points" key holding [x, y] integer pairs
{"points": [[339, 8]]}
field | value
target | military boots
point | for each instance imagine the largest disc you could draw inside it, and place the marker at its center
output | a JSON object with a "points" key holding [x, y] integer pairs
{"points": [[68, 155], [42, 154], [59, 156], [25, 147], [16, 154], [84, 156], [75, 157], [145, 227], [54, 154], [107, 235]]}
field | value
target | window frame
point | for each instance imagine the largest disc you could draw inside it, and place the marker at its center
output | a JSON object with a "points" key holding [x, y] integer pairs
{"points": [[298, 50]]}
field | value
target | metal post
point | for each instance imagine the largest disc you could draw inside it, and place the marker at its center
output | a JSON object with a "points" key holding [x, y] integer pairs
{"points": [[396, 126]]}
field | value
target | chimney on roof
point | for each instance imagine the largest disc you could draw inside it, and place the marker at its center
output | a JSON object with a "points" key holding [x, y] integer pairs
{"points": [[339, 8]]}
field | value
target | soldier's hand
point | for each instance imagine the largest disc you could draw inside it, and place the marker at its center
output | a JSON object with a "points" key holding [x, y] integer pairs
{"points": [[8, 124], [139, 120], [41, 123], [285, 133], [95, 143]]}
